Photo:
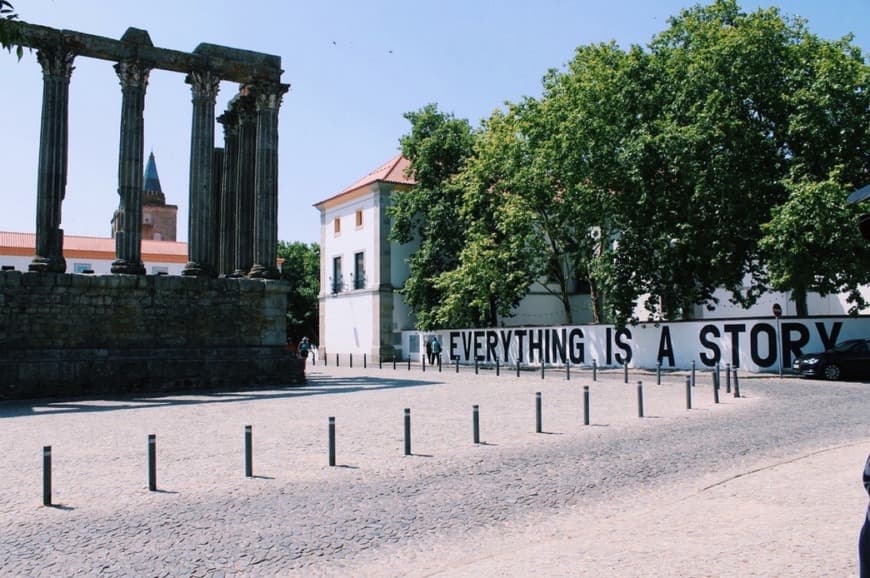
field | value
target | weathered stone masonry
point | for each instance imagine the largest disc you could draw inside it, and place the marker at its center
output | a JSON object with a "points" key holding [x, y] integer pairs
{"points": [[81, 334]]}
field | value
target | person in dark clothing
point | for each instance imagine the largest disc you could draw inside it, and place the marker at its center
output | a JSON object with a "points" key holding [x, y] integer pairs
{"points": [[429, 351], [436, 352], [864, 539]]}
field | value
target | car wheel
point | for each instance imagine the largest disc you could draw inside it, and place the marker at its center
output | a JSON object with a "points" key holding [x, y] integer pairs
{"points": [[831, 372]]}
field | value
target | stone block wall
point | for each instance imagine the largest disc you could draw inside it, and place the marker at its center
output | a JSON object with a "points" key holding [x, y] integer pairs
{"points": [[67, 334]]}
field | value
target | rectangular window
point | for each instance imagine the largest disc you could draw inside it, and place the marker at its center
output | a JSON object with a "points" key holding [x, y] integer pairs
{"points": [[359, 219], [336, 275], [82, 268], [336, 225], [359, 271]]}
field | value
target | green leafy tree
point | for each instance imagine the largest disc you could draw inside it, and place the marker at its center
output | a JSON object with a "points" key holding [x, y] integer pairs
{"points": [[429, 214], [812, 244], [301, 268]]}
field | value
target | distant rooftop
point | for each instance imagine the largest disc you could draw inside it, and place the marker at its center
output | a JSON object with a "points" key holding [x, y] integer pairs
{"points": [[392, 171]]}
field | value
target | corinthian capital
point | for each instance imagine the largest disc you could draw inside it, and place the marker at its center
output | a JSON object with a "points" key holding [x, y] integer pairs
{"points": [[132, 74], [204, 84], [56, 61], [269, 94]]}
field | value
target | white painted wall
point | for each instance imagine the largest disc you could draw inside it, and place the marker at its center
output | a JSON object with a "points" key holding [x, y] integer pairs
{"points": [[99, 266]]}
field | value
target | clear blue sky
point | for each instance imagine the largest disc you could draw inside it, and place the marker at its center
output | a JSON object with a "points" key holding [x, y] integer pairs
{"points": [[355, 68]]}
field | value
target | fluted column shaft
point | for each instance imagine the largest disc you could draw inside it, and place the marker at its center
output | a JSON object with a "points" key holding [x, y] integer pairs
{"points": [[57, 68], [131, 157], [266, 181], [201, 251], [229, 183], [245, 193]]}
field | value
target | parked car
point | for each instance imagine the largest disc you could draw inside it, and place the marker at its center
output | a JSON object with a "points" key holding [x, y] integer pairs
{"points": [[850, 358]]}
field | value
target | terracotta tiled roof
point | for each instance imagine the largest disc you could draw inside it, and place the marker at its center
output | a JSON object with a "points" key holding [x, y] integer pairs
{"points": [[392, 171], [97, 247]]}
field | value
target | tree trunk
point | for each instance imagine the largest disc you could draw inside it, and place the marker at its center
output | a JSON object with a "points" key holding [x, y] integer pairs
{"points": [[799, 296]]}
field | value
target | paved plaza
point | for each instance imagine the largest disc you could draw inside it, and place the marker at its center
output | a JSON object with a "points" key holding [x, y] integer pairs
{"points": [[762, 485]]}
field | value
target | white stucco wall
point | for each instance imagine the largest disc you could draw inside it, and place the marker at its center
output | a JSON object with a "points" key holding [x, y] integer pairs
{"points": [[99, 266]]}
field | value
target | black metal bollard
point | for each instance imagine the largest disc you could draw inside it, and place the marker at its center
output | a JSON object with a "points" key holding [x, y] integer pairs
{"points": [[365, 362], [380, 361], [715, 392], [542, 368], [567, 370], [727, 378], [439, 363], [639, 399], [658, 373], [688, 392], [594, 370], [585, 405], [693, 373], [325, 359], [457, 364], [331, 441], [625, 370], [407, 431], [249, 458], [475, 423], [423, 365], [518, 366], [152, 462], [336, 360], [46, 475], [497, 369], [736, 384], [475, 365], [718, 376], [538, 421], [409, 363], [394, 362]]}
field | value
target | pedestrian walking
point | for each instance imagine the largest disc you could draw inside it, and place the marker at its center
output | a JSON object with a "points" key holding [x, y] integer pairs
{"points": [[436, 351]]}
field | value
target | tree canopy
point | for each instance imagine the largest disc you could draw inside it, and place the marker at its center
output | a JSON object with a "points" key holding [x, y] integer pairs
{"points": [[301, 268], [718, 156]]}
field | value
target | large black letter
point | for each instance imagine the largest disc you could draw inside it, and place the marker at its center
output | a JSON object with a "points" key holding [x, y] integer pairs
{"points": [[790, 346], [575, 349], [710, 360], [735, 331], [666, 348], [625, 333], [491, 344], [829, 341], [771, 345], [453, 344]]}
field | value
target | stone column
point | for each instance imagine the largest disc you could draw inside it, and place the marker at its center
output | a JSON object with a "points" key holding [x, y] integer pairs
{"points": [[244, 226], [201, 253], [227, 248], [56, 62], [131, 158], [266, 183]]}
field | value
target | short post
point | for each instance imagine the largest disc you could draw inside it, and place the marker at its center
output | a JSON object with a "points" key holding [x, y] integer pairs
{"points": [[497, 369], [475, 365], [542, 368], [365, 362], [475, 423], [407, 431], [538, 425], [336, 360], [688, 392], [658, 373], [380, 361], [46, 475], [625, 370], [152, 462], [639, 399], [325, 359], [715, 392], [718, 376], [457, 363], [439, 363], [567, 370], [351, 359], [585, 405], [423, 365], [518, 366], [693, 373], [249, 458], [332, 441], [594, 370], [394, 362], [409, 363], [727, 378], [736, 384]]}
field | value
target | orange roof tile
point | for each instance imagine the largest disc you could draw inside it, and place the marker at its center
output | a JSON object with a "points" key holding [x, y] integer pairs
{"points": [[393, 171], [97, 247]]}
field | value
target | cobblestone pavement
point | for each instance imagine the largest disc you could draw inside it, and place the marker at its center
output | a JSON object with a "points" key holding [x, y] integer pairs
{"points": [[378, 512]]}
